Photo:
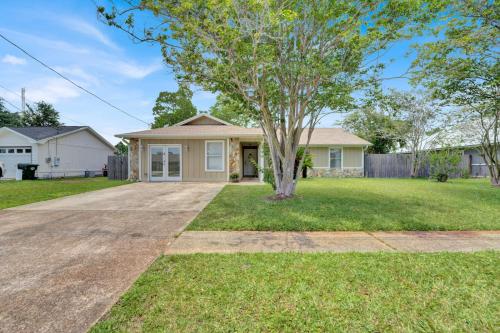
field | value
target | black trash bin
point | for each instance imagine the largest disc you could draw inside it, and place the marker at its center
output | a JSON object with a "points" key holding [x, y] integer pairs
{"points": [[28, 170]]}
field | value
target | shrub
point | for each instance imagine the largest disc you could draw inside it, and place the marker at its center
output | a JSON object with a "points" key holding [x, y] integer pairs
{"points": [[234, 177], [465, 173], [443, 163]]}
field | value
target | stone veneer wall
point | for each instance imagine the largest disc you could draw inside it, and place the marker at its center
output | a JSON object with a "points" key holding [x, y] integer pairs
{"points": [[327, 172], [134, 159], [234, 156]]}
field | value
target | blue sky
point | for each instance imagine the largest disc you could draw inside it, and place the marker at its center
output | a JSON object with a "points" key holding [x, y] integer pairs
{"points": [[67, 36]]}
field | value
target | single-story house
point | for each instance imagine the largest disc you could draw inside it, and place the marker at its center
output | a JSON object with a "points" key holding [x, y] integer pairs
{"points": [[64, 151], [204, 148]]}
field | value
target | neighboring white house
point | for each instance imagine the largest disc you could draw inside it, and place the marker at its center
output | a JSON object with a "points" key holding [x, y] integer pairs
{"points": [[64, 151]]}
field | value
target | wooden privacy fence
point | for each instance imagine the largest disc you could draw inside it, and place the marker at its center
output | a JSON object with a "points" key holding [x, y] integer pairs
{"points": [[399, 166], [117, 167]]}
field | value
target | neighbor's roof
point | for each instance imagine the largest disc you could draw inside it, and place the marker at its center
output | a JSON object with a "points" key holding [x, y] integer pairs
{"points": [[43, 134], [40, 133]]}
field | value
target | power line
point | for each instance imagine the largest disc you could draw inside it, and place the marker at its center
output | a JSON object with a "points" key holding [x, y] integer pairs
{"points": [[70, 81], [11, 104], [62, 116]]}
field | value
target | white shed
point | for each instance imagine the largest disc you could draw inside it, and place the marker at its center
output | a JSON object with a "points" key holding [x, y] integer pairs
{"points": [[65, 151]]}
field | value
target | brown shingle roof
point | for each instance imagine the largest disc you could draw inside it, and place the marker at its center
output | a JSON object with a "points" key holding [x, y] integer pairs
{"points": [[320, 136]]}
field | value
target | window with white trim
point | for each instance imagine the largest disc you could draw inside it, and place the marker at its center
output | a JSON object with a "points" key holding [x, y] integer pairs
{"points": [[335, 158], [214, 155]]}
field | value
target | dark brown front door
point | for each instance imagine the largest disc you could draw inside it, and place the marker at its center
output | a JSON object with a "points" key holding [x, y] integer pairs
{"points": [[250, 156]]}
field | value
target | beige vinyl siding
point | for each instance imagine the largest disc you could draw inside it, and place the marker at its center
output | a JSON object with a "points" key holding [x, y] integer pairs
{"points": [[193, 159], [353, 157], [320, 156]]}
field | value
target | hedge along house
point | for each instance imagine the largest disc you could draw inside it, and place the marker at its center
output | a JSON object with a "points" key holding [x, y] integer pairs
{"points": [[204, 148]]}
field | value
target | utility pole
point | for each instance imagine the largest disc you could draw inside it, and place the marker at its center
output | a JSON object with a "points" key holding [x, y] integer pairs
{"points": [[23, 99]]}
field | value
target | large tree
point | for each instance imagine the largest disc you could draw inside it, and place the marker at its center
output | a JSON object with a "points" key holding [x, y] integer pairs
{"points": [[173, 107], [377, 121], [292, 61], [7, 118], [461, 68], [40, 114], [233, 111]]}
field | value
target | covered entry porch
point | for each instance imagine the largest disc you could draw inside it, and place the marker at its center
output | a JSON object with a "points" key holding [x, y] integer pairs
{"points": [[246, 158]]}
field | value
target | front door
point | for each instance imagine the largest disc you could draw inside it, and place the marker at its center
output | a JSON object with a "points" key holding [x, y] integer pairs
{"points": [[249, 160], [165, 163]]}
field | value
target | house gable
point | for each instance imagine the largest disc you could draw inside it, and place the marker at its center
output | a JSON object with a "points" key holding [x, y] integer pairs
{"points": [[203, 119]]}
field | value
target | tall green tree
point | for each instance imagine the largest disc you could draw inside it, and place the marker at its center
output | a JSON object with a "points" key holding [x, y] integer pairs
{"points": [[383, 129], [121, 148], [8, 119], [173, 107], [40, 114], [233, 111], [462, 70], [292, 61]]}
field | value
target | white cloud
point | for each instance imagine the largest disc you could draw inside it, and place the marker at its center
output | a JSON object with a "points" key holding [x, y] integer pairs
{"points": [[88, 29], [135, 71], [51, 90], [13, 60], [78, 72], [44, 42]]}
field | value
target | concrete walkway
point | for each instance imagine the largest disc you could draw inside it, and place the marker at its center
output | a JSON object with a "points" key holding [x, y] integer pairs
{"points": [[258, 241]]}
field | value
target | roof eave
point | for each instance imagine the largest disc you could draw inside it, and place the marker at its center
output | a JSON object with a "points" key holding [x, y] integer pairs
{"points": [[165, 136]]}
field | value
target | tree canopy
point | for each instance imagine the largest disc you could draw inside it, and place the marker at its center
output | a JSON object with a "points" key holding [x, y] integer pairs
{"points": [[461, 68], [7, 118], [232, 111], [40, 114], [173, 107], [291, 61], [121, 149]]}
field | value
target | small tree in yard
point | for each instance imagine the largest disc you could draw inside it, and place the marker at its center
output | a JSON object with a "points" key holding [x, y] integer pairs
{"points": [[422, 125], [461, 69], [443, 163], [291, 61]]}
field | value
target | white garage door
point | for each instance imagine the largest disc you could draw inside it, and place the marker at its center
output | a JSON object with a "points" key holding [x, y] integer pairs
{"points": [[10, 156]]}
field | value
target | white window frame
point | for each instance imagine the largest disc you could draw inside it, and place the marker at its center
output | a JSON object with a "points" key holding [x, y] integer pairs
{"points": [[223, 155], [341, 157]]}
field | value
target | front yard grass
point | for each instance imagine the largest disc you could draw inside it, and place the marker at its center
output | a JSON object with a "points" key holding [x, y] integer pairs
{"points": [[16, 193], [357, 205], [377, 292]]}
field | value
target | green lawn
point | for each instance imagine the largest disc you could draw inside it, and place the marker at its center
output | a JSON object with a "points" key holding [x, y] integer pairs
{"points": [[380, 292], [15, 193], [357, 204]]}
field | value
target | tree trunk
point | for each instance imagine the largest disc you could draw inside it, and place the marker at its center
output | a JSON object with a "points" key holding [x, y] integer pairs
{"points": [[285, 182]]}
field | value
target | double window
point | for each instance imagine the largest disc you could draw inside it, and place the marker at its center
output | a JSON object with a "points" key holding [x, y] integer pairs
{"points": [[214, 155], [336, 158]]}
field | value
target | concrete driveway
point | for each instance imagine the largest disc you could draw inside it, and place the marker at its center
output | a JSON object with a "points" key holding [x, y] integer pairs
{"points": [[64, 262]]}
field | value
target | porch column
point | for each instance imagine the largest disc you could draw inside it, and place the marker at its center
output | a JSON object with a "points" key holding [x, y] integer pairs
{"points": [[234, 156], [134, 159]]}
